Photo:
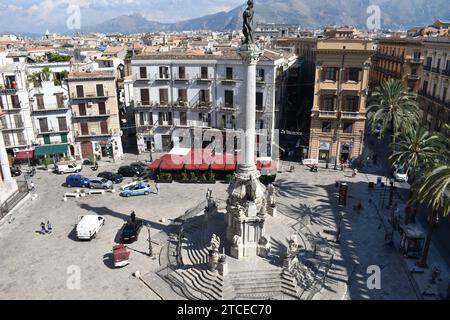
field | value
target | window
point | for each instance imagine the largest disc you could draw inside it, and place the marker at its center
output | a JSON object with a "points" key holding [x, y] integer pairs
{"points": [[425, 87], [101, 108], [164, 96], [16, 60], [259, 101], [447, 68], [438, 65], [429, 61], [64, 138], [331, 73], [204, 95], [229, 95], [434, 90], [82, 109], [80, 91], [62, 124], [260, 75], [181, 72], [204, 72], [145, 96], [104, 127], [328, 103], [229, 73], [15, 101], [84, 129], [18, 121], [416, 56], [59, 100], [165, 118], [348, 127], [183, 118], [163, 72], [353, 74], [326, 126], [100, 91], [182, 95], [43, 125], [143, 72], [1, 103], [444, 94], [40, 102], [351, 103], [141, 118], [7, 139]]}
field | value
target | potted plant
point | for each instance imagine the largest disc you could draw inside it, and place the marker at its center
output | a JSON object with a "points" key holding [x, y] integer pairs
{"points": [[211, 178], [164, 178], [184, 178], [203, 178], [192, 177]]}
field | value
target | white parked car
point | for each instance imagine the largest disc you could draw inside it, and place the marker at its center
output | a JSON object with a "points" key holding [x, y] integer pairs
{"points": [[400, 175], [71, 167], [131, 184], [88, 226]]}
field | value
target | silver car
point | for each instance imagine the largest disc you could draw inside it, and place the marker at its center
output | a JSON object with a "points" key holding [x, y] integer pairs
{"points": [[100, 183]]}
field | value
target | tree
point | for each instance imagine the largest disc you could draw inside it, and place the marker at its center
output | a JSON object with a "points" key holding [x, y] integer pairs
{"points": [[433, 191], [417, 150], [393, 108]]}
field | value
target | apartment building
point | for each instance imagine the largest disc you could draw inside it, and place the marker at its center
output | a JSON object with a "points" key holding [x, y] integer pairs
{"points": [[398, 58], [7, 184], [17, 125], [340, 93], [50, 112], [95, 114], [434, 96], [201, 91]]}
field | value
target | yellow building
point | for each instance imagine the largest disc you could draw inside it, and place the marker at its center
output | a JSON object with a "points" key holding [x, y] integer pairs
{"points": [[95, 112], [398, 58], [340, 93], [434, 96]]}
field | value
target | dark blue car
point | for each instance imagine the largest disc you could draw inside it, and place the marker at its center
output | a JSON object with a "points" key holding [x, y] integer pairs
{"points": [[78, 181]]}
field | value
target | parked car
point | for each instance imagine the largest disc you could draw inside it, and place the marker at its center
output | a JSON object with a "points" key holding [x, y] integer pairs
{"points": [[130, 171], [72, 167], [141, 165], [130, 231], [15, 172], [100, 183], [400, 175], [139, 189], [114, 177], [75, 180], [88, 226], [129, 185]]}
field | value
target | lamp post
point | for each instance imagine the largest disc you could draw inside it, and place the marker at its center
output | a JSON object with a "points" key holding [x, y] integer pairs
{"points": [[338, 233], [391, 192], [337, 137], [150, 247]]}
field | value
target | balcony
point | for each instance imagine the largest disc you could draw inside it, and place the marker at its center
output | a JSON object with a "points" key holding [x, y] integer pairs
{"points": [[47, 131], [390, 57], [181, 78], [9, 90], [17, 127], [87, 96], [181, 104], [92, 134], [162, 77], [435, 70], [413, 77], [427, 68], [415, 60], [202, 105], [50, 108], [349, 114], [138, 78], [445, 73], [260, 81], [77, 115], [204, 79], [229, 81], [228, 107], [323, 114]]}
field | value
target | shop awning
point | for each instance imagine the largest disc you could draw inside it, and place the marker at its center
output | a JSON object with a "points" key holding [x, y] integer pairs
{"points": [[24, 154], [50, 150], [155, 164], [167, 164]]}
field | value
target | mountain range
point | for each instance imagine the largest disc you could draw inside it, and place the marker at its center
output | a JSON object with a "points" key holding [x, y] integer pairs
{"points": [[395, 14]]}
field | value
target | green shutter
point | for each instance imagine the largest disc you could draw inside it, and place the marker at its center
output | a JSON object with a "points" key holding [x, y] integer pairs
{"points": [[64, 138], [47, 139]]}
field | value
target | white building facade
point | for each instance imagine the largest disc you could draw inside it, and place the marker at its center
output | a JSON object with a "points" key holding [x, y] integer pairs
{"points": [[201, 91]]}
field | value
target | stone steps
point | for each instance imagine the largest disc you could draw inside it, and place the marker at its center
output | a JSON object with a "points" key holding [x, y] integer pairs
{"points": [[177, 279], [203, 283]]}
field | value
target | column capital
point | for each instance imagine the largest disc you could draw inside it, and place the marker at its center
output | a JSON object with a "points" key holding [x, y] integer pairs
{"points": [[250, 53]]}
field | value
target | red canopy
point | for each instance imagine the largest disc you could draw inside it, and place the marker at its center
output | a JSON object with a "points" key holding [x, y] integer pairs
{"points": [[155, 164], [167, 164], [24, 154], [230, 162]]}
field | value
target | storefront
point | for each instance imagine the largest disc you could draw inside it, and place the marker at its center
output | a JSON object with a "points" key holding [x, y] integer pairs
{"points": [[324, 151], [346, 151], [56, 152]]}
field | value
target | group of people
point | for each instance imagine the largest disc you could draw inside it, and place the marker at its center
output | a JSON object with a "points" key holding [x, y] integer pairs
{"points": [[46, 228]]}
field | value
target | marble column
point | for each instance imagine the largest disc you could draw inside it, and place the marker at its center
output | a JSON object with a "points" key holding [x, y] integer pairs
{"points": [[246, 204]]}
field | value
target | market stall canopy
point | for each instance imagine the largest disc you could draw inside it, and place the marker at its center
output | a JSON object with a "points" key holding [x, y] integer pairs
{"points": [[50, 150], [24, 154]]}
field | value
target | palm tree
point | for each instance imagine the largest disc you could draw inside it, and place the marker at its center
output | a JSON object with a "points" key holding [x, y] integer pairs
{"points": [[433, 191], [393, 108], [417, 150]]}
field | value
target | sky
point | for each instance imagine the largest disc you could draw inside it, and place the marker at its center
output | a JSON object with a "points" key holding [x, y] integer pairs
{"points": [[36, 16]]}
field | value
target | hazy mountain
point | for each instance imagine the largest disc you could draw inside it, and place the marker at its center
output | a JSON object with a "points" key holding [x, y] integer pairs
{"points": [[395, 14]]}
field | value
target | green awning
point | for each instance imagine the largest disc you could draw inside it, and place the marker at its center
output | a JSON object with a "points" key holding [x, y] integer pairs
{"points": [[50, 150]]}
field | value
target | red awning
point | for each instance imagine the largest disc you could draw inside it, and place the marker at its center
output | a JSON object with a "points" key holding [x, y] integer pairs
{"points": [[259, 165], [155, 164], [230, 162], [24, 154], [167, 164]]}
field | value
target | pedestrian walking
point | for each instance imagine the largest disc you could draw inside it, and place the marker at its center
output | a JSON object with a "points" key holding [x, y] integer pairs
{"points": [[43, 230], [32, 187], [49, 227], [133, 217], [355, 171], [157, 187]]}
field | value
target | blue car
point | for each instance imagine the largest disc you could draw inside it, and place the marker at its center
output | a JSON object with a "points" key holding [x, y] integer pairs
{"points": [[78, 181], [139, 189]]}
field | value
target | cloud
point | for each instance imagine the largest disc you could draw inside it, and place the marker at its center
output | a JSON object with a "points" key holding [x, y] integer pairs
{"points": [[38, 15]]}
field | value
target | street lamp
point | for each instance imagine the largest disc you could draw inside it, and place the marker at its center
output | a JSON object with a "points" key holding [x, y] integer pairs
{"points": [[391, 192], [338, 233], [150, 247]]}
